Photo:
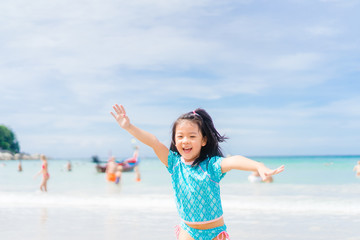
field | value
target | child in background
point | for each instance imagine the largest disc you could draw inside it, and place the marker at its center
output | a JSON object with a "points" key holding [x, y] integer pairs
{"points": [[111, 169], [196, 165]]}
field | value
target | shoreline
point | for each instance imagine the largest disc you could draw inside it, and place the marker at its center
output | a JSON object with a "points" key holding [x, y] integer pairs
{"points": [[36, 156]]}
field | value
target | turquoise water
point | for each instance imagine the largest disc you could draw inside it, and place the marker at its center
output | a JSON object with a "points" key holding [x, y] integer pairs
{"points": [[315, 170], [314, 198]]}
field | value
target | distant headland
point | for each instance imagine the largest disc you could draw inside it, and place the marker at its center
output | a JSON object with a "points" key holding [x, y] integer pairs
{"points": [[6, 155]]}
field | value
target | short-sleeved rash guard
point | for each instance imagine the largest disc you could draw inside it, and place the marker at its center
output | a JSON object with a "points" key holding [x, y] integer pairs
{"points": [[197, 190]]}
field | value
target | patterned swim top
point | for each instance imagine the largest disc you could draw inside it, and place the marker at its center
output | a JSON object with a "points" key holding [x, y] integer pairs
{"points": [[197, 190]]}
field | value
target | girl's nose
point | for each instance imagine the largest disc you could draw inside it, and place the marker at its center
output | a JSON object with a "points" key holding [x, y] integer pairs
{"points": [[185, 139]]}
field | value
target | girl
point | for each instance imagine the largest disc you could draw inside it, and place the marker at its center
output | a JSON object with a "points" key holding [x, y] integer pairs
{"points": [[196, 165], [44, 171]]}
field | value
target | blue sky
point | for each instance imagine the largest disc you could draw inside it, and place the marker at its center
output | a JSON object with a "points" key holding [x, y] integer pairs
{"points": [[278, 77]]}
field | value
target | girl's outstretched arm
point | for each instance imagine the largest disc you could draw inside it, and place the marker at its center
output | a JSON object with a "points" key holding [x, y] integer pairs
{"points": [[246, 164], [147, 138]]}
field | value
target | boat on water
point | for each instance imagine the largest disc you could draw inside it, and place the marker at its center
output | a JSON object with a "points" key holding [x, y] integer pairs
{"points": [[128, 165]]}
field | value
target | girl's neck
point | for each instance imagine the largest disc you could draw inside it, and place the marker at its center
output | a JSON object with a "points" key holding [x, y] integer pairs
{"points": [[187, 162]]}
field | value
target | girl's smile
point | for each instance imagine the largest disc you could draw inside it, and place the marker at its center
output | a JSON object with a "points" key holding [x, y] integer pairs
{"points": [[187, 150], [189, 140]]}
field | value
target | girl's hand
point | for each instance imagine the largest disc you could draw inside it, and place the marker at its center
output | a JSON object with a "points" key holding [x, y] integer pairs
{"points": [[120, 116], [266, 172]]}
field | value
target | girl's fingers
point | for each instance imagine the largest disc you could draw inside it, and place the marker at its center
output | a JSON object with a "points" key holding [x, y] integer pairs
{"points": [[114, 108], [123, 110], [279, 169], [276, 171], [117, 109], [120, 110]]}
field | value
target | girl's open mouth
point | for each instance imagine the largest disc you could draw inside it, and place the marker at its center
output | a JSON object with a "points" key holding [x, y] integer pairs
{"points": [[187, 150]]}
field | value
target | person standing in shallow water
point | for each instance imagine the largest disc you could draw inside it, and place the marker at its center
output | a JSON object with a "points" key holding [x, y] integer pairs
{"points": [[68, 166], [357, 169], [111, 170], [20, 166], [196, 165], [44, 171]]}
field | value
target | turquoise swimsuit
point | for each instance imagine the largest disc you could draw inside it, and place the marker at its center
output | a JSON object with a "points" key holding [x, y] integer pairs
{"points": [[197, 193]]}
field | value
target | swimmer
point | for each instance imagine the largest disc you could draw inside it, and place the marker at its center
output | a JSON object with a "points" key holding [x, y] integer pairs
{"points": [[118, 174], [111, 170], [254, 177], [357, 169], [44, 172], [134, 160], [20, 167], [68, 166]]}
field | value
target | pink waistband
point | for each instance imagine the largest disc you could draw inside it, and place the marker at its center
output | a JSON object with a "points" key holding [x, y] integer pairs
{"points": [[214, 220], [224, 235]]}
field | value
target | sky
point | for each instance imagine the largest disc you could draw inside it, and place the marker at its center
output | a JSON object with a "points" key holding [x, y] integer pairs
{"points": [[277, 77]]}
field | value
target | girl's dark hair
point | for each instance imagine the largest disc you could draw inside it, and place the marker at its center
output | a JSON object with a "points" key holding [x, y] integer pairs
{"points": [[208, 131]]}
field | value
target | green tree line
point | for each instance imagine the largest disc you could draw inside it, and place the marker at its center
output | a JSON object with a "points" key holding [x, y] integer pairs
{"points": [[8, 140]]}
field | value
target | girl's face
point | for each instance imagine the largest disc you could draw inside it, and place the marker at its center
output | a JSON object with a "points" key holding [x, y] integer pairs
{"points": [[189, 140]]}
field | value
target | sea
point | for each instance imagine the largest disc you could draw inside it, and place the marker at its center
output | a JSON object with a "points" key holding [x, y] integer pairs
{"points": [[316, 197]]}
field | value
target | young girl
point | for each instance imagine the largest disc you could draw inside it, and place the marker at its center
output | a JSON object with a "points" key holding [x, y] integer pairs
{"points": [[196, 165]]}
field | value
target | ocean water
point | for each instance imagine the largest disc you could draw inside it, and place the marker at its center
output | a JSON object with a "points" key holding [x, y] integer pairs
{"points": [[314, 198]]}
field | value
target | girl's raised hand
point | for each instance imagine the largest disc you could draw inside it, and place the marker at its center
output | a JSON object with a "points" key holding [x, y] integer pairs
{"points": [[120, 116], [266, 172]]}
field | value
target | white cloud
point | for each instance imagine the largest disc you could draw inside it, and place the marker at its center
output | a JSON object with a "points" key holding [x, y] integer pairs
{"points": [[294, 62], [340, 3], [345, 108], [321, 30], [64, 64]]}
